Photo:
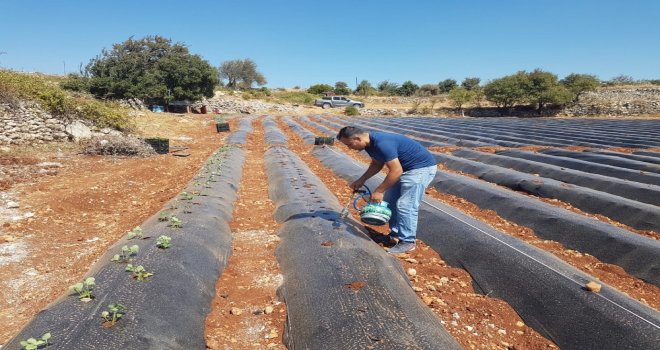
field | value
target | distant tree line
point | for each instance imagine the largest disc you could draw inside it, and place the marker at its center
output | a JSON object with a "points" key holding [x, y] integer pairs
{"points": [[537, 88]]}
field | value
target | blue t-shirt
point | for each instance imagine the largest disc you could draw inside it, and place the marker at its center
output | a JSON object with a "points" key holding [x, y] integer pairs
{"points": [[384, 147]]}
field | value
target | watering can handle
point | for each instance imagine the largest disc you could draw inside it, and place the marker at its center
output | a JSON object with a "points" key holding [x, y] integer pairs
{"points": [[362, 193]]}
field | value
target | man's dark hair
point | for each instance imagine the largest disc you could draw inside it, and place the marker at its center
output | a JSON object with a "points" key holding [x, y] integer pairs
{"points": [[349, 131]]}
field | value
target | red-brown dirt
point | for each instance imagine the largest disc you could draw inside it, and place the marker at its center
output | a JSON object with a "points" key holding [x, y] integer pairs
{"points": [[246, 311]]}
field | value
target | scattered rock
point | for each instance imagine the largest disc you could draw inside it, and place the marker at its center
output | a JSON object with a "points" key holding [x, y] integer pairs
{"points": [[593, 287], [50, 165], [412, 261], [327, 244], [12, 205], [268, 310], [235, 311], [412, 272], [520, 324]]}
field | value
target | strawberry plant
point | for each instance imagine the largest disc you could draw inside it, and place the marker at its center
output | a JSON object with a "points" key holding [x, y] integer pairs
{"points": [[126, 253], [187, 196], [135, 233], [114, 313], [84, 289], [175, 222], [163, 242], [139, 273], [33, 344]]}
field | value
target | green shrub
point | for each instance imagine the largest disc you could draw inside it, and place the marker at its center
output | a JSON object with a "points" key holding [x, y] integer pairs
{"points": [[295, 97], [76, 82], [262, 93], [318, 89], [104, 114], [350, 110], [60, 103]]}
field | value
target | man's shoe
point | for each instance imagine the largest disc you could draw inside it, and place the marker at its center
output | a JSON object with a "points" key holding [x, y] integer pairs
{"points": [[402, 247], [385, 240]]}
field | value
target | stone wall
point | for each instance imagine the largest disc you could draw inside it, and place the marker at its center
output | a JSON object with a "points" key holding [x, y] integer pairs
{"points": [[232, 104], [614, 102], [25, 123]]}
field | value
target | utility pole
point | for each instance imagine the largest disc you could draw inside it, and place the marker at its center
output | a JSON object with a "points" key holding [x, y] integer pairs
{"points": [[64, 62]]}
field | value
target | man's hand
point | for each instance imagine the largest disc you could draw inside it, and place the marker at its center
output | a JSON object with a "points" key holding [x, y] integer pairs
{"points": [[356, 184], [377, 196]]}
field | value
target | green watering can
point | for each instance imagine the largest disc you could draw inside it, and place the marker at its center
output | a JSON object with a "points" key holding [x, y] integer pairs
{"points": [[371, 213]]}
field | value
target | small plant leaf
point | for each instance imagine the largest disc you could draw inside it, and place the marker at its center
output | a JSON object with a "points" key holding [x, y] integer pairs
{"points": [[86, 299], [46, 336]]}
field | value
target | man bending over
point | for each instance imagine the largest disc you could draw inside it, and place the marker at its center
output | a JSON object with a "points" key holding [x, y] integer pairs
{"points": [[411, 168]]}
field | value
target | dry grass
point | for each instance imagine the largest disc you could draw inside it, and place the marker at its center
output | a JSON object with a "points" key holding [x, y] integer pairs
{"points": [[170, 125]]}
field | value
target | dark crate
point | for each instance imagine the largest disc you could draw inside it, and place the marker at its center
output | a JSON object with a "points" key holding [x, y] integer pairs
{"points": [[220, 127]]}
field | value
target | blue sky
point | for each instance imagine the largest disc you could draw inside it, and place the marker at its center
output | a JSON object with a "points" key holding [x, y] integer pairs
{"points": [[306, 42]]}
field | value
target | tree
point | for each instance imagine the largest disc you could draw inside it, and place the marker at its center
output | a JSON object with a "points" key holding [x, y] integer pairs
{"points": [[430, 89], [471, 83], [460, 96], [241, 74], [622, 80], [364, 88], [408, 88], [447, 85], [152, 69], [318, 89], [388, 88], [578, 84], [341, 88], [543, 88], [507, 91]]}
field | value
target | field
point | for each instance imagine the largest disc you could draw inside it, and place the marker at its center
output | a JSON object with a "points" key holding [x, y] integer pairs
{"points": [[523, 214]]}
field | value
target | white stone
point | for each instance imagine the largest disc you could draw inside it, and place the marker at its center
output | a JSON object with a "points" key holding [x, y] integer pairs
{"points": [[78, 130]]}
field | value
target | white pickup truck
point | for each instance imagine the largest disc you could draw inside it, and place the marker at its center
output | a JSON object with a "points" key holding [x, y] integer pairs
{"points": [[337, 101]]}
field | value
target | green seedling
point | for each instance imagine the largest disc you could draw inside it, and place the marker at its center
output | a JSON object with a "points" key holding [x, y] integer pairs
{"points": [[84, 289], [139, 273], [164, 216], [126, 253], [163, 242], [33, 344], [135, 233], [187, 196], [175, 222], [114, 313]]}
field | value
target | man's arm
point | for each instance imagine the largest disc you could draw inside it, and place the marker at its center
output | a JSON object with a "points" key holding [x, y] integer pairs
{"points": [[373, 169], [393, 175]]}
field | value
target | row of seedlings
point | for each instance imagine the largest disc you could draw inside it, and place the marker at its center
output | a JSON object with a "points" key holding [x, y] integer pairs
{"points": [[153, 288]]}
